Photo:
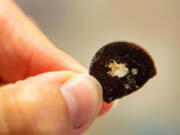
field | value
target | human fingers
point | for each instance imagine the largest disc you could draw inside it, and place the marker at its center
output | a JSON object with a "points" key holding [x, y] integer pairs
{"points": [[49, 104], [24, 50]]}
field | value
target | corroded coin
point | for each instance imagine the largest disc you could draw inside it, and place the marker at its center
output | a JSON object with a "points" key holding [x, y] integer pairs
{"points": [[121, 68]]}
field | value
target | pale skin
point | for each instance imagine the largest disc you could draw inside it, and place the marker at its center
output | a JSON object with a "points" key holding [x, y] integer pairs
{"points": [[34, 77]]}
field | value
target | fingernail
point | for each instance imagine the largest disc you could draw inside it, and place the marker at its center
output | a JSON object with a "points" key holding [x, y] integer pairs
{"points": [[83, 95]]}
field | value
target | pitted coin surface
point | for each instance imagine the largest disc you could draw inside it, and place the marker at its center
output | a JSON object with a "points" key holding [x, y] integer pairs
{"points": [[121, 68]]}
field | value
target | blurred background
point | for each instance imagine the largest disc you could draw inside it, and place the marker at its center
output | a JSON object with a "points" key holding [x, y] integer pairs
{"points": [[81, 27]]}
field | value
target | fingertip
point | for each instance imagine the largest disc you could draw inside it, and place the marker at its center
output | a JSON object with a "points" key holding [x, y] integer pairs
{"points": [[105, 108], [83, 95]]}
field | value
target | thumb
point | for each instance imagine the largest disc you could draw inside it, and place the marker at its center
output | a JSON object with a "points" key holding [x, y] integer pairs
{"points": [[51, 103]]}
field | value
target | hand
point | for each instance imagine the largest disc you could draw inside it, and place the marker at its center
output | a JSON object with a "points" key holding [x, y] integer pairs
{"points": [[34, 99]]}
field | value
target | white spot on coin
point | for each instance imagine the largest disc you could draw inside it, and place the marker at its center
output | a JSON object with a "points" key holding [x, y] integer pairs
{"points": [[127, 86], [131, 79], [134, 71], [119, 70]]}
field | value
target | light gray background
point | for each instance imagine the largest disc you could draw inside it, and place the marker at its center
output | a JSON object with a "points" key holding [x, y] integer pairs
{"points": [[81, 27]]}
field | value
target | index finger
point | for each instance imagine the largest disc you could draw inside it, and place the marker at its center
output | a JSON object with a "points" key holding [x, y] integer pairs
{"points": [[24, 50]]}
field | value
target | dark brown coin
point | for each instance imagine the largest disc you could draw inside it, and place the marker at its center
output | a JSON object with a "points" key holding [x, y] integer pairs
{"points": [[121, 68]]}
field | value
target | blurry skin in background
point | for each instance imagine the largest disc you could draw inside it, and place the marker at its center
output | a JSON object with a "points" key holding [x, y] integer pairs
{"points": [[81, 27]]}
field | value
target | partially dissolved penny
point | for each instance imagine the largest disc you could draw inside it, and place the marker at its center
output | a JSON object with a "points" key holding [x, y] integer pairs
{"points": [[121, 68]]}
